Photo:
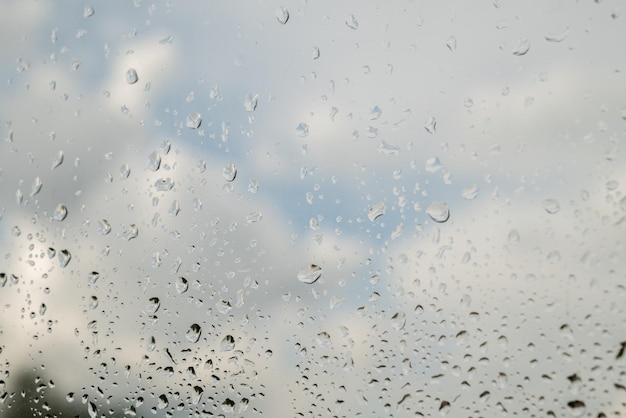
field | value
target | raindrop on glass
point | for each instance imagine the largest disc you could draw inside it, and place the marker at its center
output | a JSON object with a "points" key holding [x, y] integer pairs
{"points": [[438, 211], [282, 15], [181, 285], [351, 22], [230, 172], [130, 233], [64, 257], [154, 161], [193, 333], [228, 343], [375, 113], [104, 228], [377, 210], [302, 129], [194, 120], [153, 306], [430, 125], [131, 76], [164, 184], [251, 102], [470, 192], [522, 47], [310, 274], [60, 213], [551, 206]]}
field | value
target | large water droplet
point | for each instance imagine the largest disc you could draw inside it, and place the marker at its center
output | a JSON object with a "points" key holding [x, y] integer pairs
{"points": [[302, 129], [377, 210], [351, 22], [194, 120], [576, 408], [398, 320], [164, 184], [310, 274], [430, 125], [375, 113], [193, 333], [230, 172], [131, 76], [153, 306], [131, 232], [92, 410], [250, 102], [228, 343], [282, 15], [60, 212], [64, 257], [181, 285], [557, 36], [93, 302], [154, 161], [93, 277], [522, 47], [104, 227], [438, 211], [551, 206]]}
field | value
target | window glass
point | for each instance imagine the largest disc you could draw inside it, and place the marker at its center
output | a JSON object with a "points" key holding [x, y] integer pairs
{"points": [[312, 208]]}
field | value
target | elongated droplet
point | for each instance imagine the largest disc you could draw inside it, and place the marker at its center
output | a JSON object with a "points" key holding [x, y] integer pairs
{"points": [[377, 210], [104, 227], [522, 47], [310, 274], [470, 192], [57, 161], [36, 187], [193, 333], [60, 213], [131, 76], [438, 211], [92, 410]]}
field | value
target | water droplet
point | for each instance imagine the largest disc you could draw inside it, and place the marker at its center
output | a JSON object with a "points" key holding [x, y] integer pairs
{"points": [[131, 76], [153, 306], [64, 257], [174, 208], [315, 53], [92, 410], [60, 213], [88, 11], [323, 339], [230, 172], [104, 227], [124, 171], [557, 37], [181, 285], [451, 43], [577, 408], [193, 333], [513, 237], [228, 343], [164, 184], [194, 120], [93, 302], [16, 231], [438, 211], [470, 192], [302, 129], [310, 274], [130, 233], [154, 161], [430, 125], [377, 210], [433, 164], [253, 217], [36, 187], [57, 161], [228, 406], [70, 397], [19, 197], [375, 113], [398, 320], [551, 206], [522, 47], [351, 22], [93, 277], [250, 102], [282, 15]]}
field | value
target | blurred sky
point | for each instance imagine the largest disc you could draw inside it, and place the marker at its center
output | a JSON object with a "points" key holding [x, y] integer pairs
{"points": [[511, 113]]}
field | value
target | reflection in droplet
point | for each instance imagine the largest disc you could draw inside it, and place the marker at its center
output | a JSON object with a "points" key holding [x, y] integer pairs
{"points": [[302, 129], [438, 211], [551, 206], [282, 15], [377, 210], [194, 120], [131, 76], [64, 257], [522, 47], [310, 274], [193, 333], [60, 212], [351, 22]]}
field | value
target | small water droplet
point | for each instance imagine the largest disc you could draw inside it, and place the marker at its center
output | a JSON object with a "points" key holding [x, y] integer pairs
{"points": [[351, 22], [513, 237], [154, 161], [124, 171], [88, 11], [310, 274], [433, 164], [302, 129], [60, 212], [438, 211], [282, 15], [194, 120], [104, 228], [193, 333], [130, 233], [36, 187], [164, 184], [181, 285], [70, 397], [174, 208], [375, 113], [398, 320], [19, 197], [377, 210], [93, 302], [64, 257], [430, 125], [522, 47], [230, 172], [228, 343], [253, 217], [323, 339], [558, 36], [250, 102], [57, 161], [131, 76], [315, 53], [153, 306], [551, 206], [470, 192]]}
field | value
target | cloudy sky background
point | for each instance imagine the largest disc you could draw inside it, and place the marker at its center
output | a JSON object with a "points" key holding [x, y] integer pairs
{"points": [[501, 303]]}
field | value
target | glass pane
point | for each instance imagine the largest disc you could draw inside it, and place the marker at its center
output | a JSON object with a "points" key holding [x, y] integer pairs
{"points": [[312, 208]]}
